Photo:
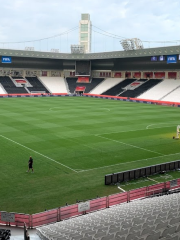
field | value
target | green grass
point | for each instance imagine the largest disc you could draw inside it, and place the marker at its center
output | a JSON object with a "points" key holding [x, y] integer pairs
{"points": [[75, 142]]}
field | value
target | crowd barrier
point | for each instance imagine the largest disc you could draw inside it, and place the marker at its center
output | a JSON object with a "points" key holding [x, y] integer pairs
{"points": [[126, 99], [66, 212], [141, 172]]}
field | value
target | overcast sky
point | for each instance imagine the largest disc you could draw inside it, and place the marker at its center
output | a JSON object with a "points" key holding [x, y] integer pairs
{"points": [[30, 20]]}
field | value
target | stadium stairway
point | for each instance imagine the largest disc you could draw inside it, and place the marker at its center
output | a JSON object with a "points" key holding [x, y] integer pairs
{"points": [[159, 91], [106, 85], [118, 88], [141, 89], [10, 87], [72, 84], [2, 90], [37, 85], [173, 96]]}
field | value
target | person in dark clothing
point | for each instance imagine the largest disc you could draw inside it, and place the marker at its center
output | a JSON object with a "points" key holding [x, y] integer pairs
{"points": [[30, 164]]}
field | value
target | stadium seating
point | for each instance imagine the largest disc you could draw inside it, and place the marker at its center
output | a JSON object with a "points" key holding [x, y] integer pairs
{"points": [[72, 84], [173, 96], [141, 89], [2, 90], [161, 90], [105, 85], [54, 84], [10, 87], [37, 85], [148, 219], [117, 89], [5, 234]]}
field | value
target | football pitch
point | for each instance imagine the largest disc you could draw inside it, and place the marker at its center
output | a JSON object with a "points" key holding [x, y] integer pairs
{"points": [[75, 142]]}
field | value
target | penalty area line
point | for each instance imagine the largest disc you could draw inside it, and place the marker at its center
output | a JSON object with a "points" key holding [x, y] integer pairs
{"points": [[127, 144], [38, 153], [170, 125], [152, 180], [118, 164]]}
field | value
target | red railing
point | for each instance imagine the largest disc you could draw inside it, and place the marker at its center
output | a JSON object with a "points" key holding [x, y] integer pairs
{"points": [[97, 204], [174, 104], [118, 198], [58, 214], [68, 212], [46, 217]]}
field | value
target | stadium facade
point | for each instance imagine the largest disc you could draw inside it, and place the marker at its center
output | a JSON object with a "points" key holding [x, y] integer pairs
{"points": [[134, 60]]}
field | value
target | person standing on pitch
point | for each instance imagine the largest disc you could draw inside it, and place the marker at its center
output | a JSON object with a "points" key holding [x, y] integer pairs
{"points": [[30, 164]]}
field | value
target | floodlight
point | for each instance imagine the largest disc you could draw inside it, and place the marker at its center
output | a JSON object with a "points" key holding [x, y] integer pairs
{"points": [[131, 44], [77, 49]]}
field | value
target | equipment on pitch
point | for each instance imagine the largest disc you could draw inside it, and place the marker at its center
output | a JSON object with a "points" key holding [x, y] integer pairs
{"points": [[177, 133]]}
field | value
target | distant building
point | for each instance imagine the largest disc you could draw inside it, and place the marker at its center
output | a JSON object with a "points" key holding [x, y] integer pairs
{"points": [[85, 32]]}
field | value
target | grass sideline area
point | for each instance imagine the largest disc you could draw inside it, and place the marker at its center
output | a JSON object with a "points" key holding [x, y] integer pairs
{"points": [[75, 142]]}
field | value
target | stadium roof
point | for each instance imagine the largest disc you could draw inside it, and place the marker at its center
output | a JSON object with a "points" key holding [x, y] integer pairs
{"points": [[92, 56]]}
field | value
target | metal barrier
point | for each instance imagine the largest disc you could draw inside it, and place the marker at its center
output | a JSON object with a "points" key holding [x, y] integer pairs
{"points": [[118, 198], [97, 204], [46, 217], [59, 214], [141, 172], [68, 212]]}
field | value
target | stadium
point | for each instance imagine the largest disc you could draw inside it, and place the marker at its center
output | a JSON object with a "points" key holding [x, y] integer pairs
{"points": [[103, 131]]}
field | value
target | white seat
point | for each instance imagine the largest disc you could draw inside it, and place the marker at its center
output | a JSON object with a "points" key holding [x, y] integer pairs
{"points": [[174, 237], [146, 232], [154, 236], [131, 237], [99, 235], [108, 237], [114, 230], [161, 225], [121, 234], [174, 221], [170, 230]]}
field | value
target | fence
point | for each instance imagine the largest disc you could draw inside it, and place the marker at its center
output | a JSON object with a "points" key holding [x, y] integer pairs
{"points": [[59, 214], [156, 102]]}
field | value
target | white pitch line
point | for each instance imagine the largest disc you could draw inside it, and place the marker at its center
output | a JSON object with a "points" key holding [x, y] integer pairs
{"points": [[37, 153], [131, 145], [106, 109], [118, 164], [120, 131], [159, 124], [152, 180], [77, 141], [133, 130], [121, 189], [50, 109]]}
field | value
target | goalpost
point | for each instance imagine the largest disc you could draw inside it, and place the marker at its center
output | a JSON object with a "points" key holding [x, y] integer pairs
{"points": [[177, 132]]}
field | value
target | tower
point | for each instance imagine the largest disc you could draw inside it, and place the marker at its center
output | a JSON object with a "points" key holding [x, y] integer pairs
{"points": [[85, 32]]}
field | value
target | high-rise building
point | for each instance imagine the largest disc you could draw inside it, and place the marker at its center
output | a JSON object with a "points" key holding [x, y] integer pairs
{"points": [[85, 32]]}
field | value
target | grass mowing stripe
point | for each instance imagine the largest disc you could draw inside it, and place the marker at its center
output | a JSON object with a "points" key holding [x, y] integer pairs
{"points": [[127, 144], [135, 130], [38, 153], [118, 164], [172, 124], [67, 133]]}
